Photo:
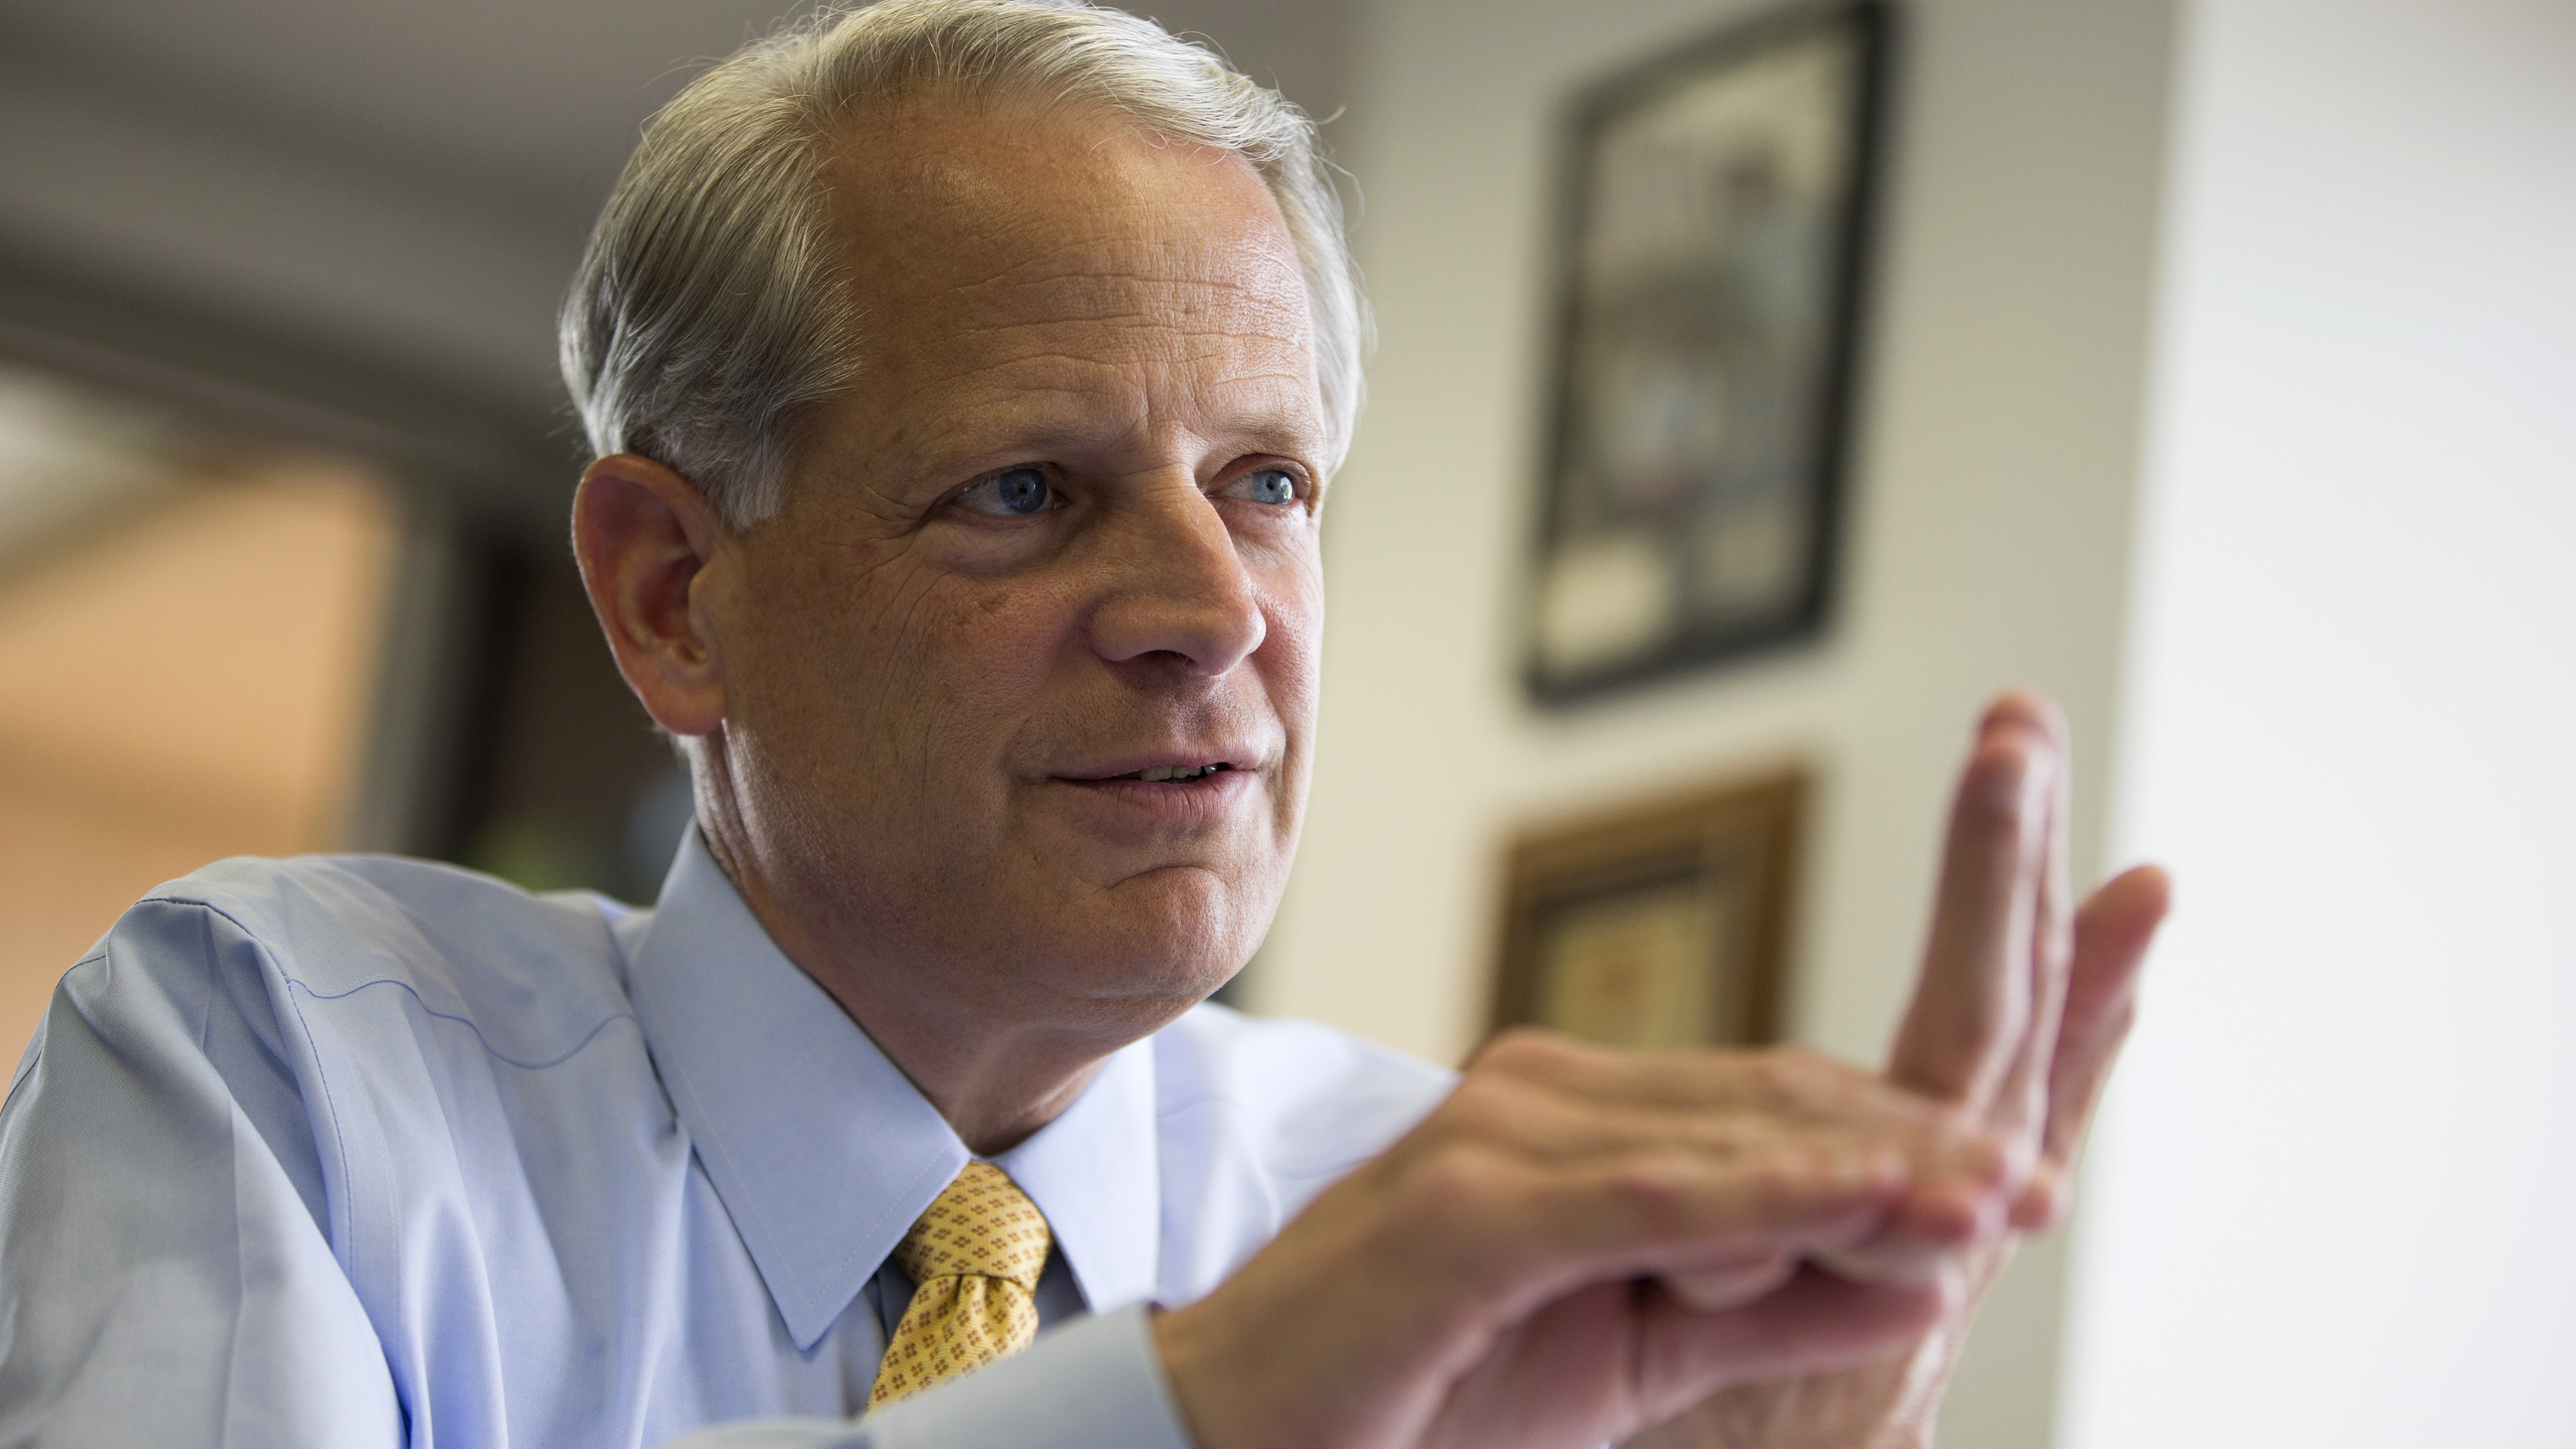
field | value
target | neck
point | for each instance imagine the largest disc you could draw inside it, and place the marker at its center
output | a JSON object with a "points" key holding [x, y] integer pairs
{"points": [[997, 1065]]}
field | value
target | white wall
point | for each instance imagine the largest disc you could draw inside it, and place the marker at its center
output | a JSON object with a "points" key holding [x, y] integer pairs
{"points": [[1989, 546], [2333, 1201]]}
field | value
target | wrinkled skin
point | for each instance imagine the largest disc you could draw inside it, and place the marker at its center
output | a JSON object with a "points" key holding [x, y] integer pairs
{"points": [[1063, 529]]}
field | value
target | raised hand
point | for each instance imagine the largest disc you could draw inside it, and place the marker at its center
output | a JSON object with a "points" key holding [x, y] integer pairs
{"points": [[1495, 1278], [2020, 1011], [1778, 1249], [1742, 1248]]}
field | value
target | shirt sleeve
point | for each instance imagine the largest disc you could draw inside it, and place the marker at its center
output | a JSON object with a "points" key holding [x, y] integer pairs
{"points": [[1092, 1384], [163, 1279]]}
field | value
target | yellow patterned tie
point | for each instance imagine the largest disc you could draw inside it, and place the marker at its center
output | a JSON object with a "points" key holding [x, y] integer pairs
{"points": [[974, 1258]]}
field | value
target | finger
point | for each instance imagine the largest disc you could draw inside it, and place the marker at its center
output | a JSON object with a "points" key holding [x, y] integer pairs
{"points": [[2021, 1107], [1787, 1082], [1816, 1323], [2112, 934], [1718, 1287], [1553, 1106], [1548, 1130], [1972, 1005], [1646, 1214], [1930, 1232], [1557, 1097]]}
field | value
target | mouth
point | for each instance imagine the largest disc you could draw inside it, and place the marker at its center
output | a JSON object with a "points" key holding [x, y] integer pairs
{"points": [[1173, 774], [1159, 802], [1172, 763]]}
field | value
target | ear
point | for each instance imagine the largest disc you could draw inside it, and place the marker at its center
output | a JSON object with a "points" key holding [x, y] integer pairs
{"points": [[652, 551]]}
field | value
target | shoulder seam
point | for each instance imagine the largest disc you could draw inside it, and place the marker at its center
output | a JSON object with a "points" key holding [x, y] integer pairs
{"points": [[308, 989], [495, 1053], [33, 1053]]}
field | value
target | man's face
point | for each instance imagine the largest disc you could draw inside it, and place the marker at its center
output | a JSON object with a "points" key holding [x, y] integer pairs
{"points": [[1057, 544]]}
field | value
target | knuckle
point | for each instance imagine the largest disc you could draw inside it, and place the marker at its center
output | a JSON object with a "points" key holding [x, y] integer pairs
{"points": [[1481, 1107], [1463, 1177], [1994, 788], [1457, 1215], [1773, 1176], [2121, 1020], [1800, 1073], [1798, 1063], [1649, 1189], [1997, 808], [1725, 1135], [1527, 1051]]}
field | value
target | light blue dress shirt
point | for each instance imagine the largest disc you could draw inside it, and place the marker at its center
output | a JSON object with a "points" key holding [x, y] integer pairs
{"points": [[358, 1151]]}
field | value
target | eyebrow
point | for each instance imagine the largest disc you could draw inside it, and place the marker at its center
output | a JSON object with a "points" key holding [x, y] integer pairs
{"points": [[1038, 420]]}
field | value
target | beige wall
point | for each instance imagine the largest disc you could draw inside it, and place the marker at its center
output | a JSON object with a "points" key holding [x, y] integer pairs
{"points": [[188, 686], [1989, 546]]}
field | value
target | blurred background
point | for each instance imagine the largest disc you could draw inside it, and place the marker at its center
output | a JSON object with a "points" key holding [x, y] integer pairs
{"points": [[2218, 375]]}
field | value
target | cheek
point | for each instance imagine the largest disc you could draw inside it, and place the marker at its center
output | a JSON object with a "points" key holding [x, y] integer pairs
{"points": [[1293, 650], [903, 679], [1291, 663]]}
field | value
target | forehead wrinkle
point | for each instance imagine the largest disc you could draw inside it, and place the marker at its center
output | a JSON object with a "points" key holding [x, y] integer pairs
{"points": [[1235, 345], [1071, 421], [1143, 353], [1114, 342], [1127, 336], [1134, 257], [971, 230], [1073, 286], [1270, 411], [1066, 307]]}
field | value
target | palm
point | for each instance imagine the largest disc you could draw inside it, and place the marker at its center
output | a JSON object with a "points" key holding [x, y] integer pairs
{"points": [[1602, 1363], [1564, 1376], [1862, 1408], [1884, 1405]]}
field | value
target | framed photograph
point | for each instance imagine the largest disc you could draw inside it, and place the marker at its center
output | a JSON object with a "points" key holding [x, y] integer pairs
{"points": [[1656, 928], [1715, 210]]}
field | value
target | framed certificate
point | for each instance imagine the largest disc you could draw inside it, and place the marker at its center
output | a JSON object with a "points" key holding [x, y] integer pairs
{"points": [[1659, 927]]}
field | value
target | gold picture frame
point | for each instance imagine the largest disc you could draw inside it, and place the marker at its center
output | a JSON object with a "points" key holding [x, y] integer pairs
{"points": [[1658, 927]]}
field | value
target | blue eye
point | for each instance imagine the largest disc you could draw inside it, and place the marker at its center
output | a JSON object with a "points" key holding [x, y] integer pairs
{"points": [[1274, 486], [1016, 493]]}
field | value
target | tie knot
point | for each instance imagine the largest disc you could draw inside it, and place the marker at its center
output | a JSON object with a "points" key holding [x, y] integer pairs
{"points": [[980, 1225]]}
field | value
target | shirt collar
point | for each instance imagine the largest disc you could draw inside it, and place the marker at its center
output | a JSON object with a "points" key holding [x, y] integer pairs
{"points": [[823, 1152], [1095, 1174]]}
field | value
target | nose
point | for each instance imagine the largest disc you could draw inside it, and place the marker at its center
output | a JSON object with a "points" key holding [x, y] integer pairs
{"points": [[1178, 589]]}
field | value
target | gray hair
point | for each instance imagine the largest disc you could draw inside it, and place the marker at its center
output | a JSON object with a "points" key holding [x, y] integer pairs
{"points": [[709, 314]]}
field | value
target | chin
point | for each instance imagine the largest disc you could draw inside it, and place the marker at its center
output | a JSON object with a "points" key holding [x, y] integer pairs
{"points": [[1168, 938]]}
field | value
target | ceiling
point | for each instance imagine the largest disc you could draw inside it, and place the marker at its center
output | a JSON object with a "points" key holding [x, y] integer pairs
{"points": [[528, 96], [406, 181]]}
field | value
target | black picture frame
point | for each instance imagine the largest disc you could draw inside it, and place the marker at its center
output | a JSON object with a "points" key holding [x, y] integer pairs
{"points": [[1715, 217]]}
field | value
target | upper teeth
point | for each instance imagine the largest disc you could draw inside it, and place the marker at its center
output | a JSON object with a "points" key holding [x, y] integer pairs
{"points": [[1177, 772]]}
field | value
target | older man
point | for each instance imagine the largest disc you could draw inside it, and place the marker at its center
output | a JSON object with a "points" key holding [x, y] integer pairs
{"points": [[967, 378]]}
